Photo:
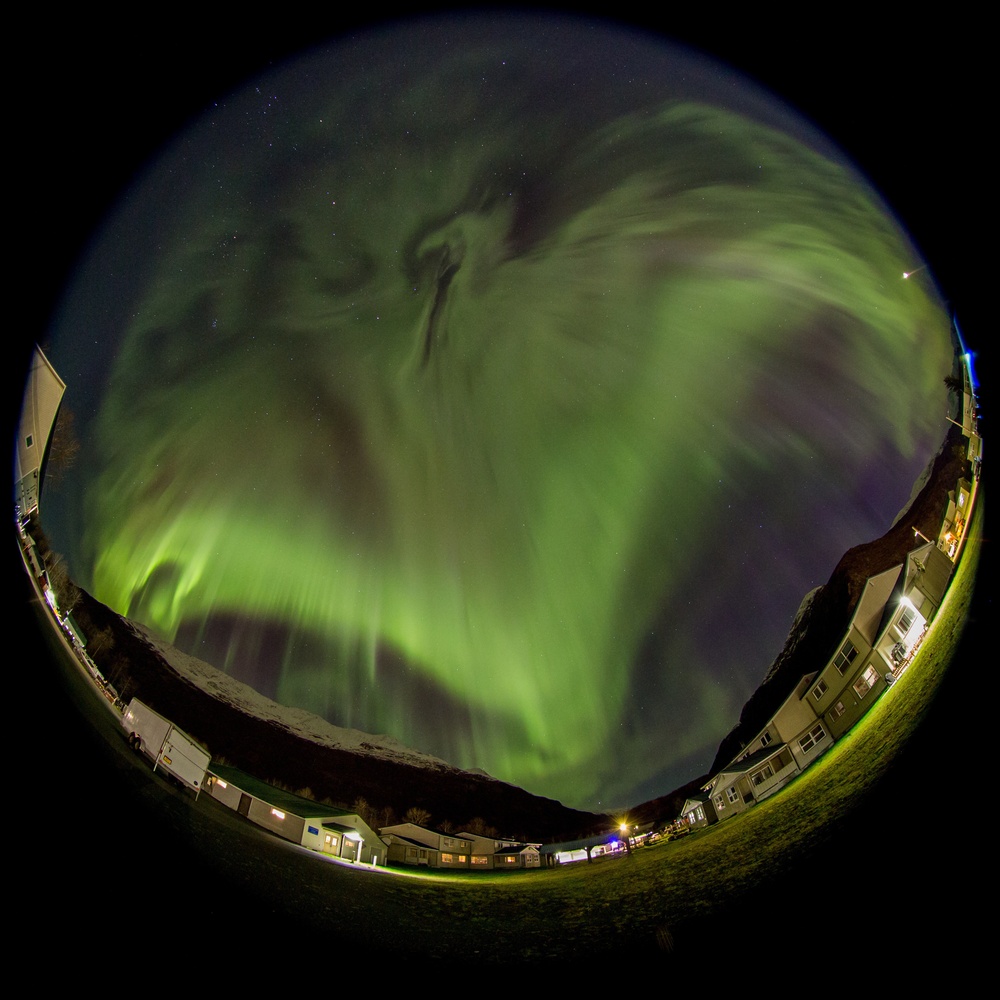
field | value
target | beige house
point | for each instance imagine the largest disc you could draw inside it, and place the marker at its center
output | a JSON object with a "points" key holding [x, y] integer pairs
{"points": [[410, 844], [322, 828], [850, 682]]}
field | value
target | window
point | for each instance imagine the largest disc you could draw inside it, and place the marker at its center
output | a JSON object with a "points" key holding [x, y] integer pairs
{"points": [[719, 803], [815, 735], [866, 682], [906, 620], [762, 775], [838, 710], [447, 859], [462, 859], [765, 739], [480, 859], [819, 690], [845, 657], [733, 793]]}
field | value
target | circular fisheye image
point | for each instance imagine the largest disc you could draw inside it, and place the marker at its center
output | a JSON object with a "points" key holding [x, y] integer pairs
{"points": [[508, 468]]}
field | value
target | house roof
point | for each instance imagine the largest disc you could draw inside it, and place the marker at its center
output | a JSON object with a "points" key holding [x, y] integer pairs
{"points": [[929, 570], [399, 838], [738, 767], [694, 800], [878, 589], [289, 801], [329, 824], [426, 837]]}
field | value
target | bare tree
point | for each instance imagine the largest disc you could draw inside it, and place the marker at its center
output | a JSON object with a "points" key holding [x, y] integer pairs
{"points": [[386, 816], [480, 827], [417, 816], [66, 591], [101, 642], [364, 810]]}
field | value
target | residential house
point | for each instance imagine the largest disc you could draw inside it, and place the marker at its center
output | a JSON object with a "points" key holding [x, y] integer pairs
{"points": [[411, 844], [955, 516], [698, 811], [850, 683], [320, 827], [885, 634]]}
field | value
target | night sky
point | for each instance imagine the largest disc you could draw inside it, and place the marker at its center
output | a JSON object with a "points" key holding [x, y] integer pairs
{"points": [[501, 387]]}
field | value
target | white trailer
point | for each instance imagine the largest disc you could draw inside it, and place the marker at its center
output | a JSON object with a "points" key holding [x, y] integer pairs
{"points": [[165, 745]]}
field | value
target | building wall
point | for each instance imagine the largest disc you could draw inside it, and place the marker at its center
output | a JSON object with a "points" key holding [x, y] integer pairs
{"points": [[863, 688], [226, 793], [837, 675], [263, 814]]}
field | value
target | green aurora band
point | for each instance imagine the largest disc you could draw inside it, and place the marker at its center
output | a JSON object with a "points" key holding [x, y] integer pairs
{"points": [[438, 397]]}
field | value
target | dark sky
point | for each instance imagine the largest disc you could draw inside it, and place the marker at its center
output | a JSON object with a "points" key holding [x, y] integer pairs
{"points": [[905, 102]]}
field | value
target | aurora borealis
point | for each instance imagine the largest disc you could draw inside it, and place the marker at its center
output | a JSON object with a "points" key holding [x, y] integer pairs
{"points": [[502, 396]]}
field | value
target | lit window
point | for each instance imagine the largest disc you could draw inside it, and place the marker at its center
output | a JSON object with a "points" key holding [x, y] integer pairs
{"points": [[719, 803], [906, 620], [866, 682], [447, 859], [277, 814]]}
